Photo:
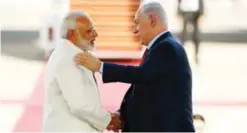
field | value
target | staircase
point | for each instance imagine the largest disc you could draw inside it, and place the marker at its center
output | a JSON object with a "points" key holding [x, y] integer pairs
{"points": [[114, 22]]}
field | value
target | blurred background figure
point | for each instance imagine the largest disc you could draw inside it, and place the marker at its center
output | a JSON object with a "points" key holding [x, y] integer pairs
{"points": [[50, 34], [191, 11], [50, 31]]}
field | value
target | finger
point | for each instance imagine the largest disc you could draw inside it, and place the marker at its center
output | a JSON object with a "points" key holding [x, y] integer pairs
{"points": [[117, 122], [119, 125], [85, 54], [80, 62], [81, 57], [110, 127], [116, 130]]}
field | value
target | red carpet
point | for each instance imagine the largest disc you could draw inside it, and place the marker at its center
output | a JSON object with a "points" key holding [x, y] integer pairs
{"points": [[111, 96]]}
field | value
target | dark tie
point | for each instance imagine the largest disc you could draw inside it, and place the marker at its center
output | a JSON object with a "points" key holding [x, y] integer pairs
{"points": [[144, 55]]}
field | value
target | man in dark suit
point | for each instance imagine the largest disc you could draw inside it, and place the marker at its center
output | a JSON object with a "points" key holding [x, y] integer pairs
{"points": [[159, 98], [191, 11]]}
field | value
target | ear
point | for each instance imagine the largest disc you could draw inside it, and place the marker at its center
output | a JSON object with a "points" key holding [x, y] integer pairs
{"points": [[152, 18], [71, 35]]}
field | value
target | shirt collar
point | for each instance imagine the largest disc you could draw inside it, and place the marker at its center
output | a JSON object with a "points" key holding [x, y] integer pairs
{"points": [[154, 39]]}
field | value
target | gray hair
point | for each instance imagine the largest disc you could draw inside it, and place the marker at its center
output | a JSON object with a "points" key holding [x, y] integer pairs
{"points": [[69, 22], [154, 7]]}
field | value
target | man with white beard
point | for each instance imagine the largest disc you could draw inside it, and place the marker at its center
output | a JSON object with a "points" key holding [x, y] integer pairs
{"points": [[72, 102]]}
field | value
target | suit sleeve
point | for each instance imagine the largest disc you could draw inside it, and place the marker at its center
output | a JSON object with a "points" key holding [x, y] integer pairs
{"points": [[73, 88], [160, 61]]}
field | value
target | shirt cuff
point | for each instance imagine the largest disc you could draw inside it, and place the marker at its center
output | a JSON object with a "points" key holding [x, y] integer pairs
{"points": [[101, 68]]}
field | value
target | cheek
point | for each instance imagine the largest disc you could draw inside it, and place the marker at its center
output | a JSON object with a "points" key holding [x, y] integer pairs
{"points": [[86, 36], [90, 36], [140, 30], [143, 31]]}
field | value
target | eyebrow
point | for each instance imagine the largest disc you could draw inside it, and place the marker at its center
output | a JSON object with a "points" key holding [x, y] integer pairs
{"points": [[90, 29]]}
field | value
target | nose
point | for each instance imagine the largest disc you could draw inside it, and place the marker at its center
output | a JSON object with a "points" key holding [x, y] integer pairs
{"points": [[95, 33], [135, 30]]}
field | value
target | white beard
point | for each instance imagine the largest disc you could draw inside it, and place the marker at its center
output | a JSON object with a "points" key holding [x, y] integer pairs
{"points": [[86, 45]]}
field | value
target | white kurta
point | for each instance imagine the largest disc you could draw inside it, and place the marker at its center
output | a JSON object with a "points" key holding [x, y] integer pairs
{"points": [[72, 102]]}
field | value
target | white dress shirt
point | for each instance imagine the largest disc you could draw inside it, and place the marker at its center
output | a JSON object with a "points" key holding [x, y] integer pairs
{"points": [[148, 47], [72, 102]]}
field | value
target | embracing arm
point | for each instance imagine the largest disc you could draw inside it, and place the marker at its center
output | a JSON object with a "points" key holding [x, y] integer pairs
{"points": [[72, 85], [160, 61]]}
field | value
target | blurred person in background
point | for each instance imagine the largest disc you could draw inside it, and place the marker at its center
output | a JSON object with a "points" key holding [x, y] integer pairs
{"points": [[52, 23], [191, 11], [72, 97], [199, 122], [50, 32], [159, 98]]}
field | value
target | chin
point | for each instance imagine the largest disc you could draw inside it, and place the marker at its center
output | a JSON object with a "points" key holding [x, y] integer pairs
{"points": [[142, 43], [91, 48]]}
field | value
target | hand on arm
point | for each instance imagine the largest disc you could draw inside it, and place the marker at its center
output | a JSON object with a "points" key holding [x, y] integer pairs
{"points": [[89, 61]]}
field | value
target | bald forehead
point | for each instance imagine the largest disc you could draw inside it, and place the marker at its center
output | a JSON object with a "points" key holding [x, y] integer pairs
{"points": [[149, 6], [137, 14], [152, 7], [83, 20]]}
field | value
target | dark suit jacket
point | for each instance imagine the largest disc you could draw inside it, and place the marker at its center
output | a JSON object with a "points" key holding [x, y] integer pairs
{"points": [[159, 99]]}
